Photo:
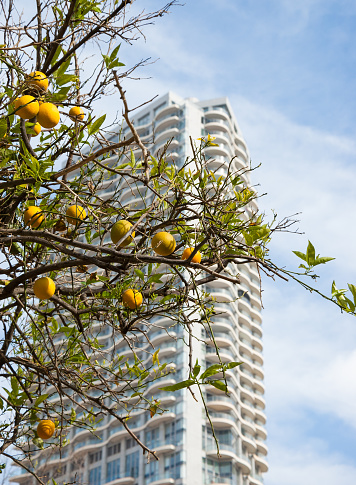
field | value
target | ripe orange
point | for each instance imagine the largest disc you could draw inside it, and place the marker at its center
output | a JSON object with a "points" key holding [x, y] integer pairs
{"points": [[37, 129], [118, 231], [48, 115], [76, 113], [45, 429], [188, 251], [44, 288], [29, 107], [163, 243], [33, 216], [75, 214], [132, 298], [38, 79]]}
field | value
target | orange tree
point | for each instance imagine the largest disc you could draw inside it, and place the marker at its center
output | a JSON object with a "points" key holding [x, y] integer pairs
{"points": [[75, 264]]}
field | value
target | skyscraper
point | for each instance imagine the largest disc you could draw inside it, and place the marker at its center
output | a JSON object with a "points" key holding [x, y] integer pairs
{"points": [[183, 436]]}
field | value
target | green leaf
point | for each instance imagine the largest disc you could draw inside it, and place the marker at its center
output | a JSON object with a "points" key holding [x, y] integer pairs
{"points": [[140, 274], [179, 385], [95, 127], [40, 399], [352, 288], [300, 255], [65, 79], [155, 278], [219, 385], [310, 254], [210, 371], [231, 365], [196, 369], [155, 359], [322, 260]]}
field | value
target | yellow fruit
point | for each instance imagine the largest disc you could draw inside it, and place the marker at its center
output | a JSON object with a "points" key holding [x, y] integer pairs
{"points": [[44, 288], [33, 216], [118, 231], [132, 299], [38, 79], [163, 243], [75, 214], [37, 129], [45, 429], [29, 108], [76, 113], [48, 115], [188, 251]]}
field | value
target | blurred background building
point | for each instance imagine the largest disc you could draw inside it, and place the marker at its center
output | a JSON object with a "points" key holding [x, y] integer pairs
{"points": [[182, 436]]}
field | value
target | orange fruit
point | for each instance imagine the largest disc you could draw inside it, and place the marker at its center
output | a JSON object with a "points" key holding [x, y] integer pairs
{"points": [[48, 115], [45, 429], [163, 243], [188, 251], [44, 288], [132, 298], [118, 231], [26, 107], [75, 214], [33, 216], [76, 113], [38, 79], [37, 129]]}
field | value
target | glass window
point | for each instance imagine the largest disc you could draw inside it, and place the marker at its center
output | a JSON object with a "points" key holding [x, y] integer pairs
{"points": [[94, 457], [113, 449], [161, 106], [152, 438], [173, 464], [151, 471], [143, 120], [95, 476], [132, 465], [113, 470]]}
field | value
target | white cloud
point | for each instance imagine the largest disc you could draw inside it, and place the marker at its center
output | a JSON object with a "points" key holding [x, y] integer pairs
{"points": [[308, 465]]}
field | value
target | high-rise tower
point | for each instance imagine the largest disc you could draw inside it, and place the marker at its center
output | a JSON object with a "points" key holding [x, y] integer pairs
{"points": [[183, 437]]}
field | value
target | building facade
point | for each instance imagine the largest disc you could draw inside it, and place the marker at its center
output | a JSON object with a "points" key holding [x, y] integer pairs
{"points": [[182, 436]]}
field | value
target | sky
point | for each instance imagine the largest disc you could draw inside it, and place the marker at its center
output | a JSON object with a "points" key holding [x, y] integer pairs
{"points": [[288, 69]]}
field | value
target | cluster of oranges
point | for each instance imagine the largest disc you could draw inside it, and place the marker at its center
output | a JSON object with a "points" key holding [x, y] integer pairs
{"points": [[47, 115], [163, 243]]}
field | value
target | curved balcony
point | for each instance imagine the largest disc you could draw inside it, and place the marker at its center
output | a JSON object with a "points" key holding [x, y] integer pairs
{"points": [[213, 122], [262, 463], [249, 443], [167, 133], [166, 112], [260, 401], [163, 481], [221, 403], [222, 420], [122, 481], [260, 415], [229, 452], [223, 150], [261, 431], [160, 419], [254, 481], [164, 122], [262, 448], [166, 448], [219, 113]]}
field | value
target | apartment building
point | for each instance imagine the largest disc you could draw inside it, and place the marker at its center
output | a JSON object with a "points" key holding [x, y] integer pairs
{"points": [[182, 436]]}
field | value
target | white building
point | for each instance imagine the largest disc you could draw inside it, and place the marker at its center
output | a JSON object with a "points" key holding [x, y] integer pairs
{"points": [[182, 437]]}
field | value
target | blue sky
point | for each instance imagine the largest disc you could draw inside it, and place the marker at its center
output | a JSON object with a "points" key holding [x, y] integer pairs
{"points": [[288, 69]]}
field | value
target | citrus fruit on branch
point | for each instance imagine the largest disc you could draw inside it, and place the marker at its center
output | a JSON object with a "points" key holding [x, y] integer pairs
{"points": [[38, 80], [33, 216], [44, 288], [132, 299], [45, 429], [119, 230], [26, 107], [188, 251], [163, 243], [75, 214]]}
